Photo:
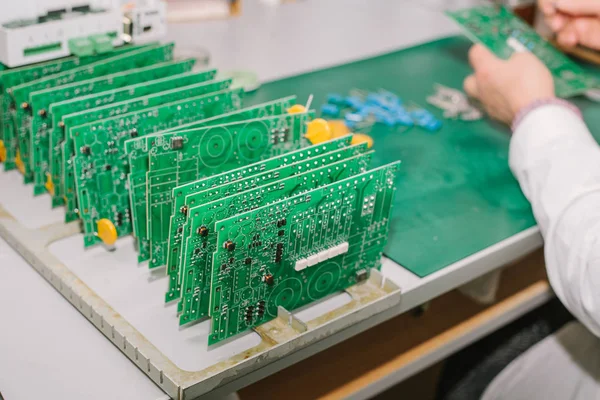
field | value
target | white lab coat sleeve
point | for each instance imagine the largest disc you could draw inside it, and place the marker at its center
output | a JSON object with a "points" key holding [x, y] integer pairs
{"points": [[557, 163]]}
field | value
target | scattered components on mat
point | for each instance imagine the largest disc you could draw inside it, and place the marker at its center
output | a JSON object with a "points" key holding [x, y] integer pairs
{"points": [[362, 109], [455, 104]]}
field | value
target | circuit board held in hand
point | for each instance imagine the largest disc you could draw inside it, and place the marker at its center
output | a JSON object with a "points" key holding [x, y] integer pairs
{"points": [[504, 34]]}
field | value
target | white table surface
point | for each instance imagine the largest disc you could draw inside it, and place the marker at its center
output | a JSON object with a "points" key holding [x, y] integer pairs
{"points": [[47, 349]]}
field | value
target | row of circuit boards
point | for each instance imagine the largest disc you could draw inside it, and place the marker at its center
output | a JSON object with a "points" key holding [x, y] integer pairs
{"points": [[244, 213], [504, 34]]}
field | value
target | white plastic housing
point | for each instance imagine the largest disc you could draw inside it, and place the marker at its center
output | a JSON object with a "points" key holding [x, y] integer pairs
{"points": [[148, 22], [14, 43], [148, 19]]}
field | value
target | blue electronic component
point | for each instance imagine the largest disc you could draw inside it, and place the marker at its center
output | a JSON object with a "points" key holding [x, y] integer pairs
{"points": [[433, 125], [421, 114], [404, 119], [354, 102], [384, 101], [375, 99], [351, 119], [426, 120], [372, 110], [330, 110], [386, 119], [390, 97], [336, 99]]}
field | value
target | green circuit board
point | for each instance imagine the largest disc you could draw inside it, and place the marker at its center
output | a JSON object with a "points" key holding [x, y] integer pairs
{"points": [[72, 113], [181, 157], [13, 77], [42, 120], [112, 110], [274, 107], [137, 153], [100, 163], [21, 93], [504, 34], [341, 229], [17, 76], [252, 175], [199, 248]]}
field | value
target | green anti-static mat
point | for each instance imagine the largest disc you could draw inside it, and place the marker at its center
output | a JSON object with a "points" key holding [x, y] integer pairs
{"points": [[456, 195]]}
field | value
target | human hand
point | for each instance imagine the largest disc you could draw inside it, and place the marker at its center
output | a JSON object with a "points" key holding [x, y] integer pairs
{"points": [[575, 22], [505, 87]]}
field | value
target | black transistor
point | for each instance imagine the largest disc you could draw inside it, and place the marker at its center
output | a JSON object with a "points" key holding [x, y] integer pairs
{"points": [[176, 142]]}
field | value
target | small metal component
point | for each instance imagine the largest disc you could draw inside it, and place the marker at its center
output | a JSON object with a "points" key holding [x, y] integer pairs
{"points": [[361, 275], [25, 105], [184, 211], [133, 133], [43, 113], [85, 150], [269, 280], [177, 142], [248, 261], [454, 103], [229, 245], [203, 231]]}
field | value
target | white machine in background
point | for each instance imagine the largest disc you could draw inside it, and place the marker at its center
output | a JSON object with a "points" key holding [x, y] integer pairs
{"points": [[39, 30]]}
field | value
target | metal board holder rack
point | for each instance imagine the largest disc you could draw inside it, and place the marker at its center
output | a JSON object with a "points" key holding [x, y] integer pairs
{"points": [[279, 338]]}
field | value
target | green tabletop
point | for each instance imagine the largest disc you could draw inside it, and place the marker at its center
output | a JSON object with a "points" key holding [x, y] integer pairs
{"points": [[456, 195]]}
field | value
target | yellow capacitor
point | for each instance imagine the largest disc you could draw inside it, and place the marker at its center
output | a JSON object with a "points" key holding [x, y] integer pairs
{"points": [[2, 151], [338, 128], [107, 231], [358, 138], [19, 163], [296, 109], [49, 184], [318, 131]]}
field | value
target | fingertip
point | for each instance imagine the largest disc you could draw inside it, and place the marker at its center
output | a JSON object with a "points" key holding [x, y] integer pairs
{"points": [[558, 22], [588, 32], [585, 26], [577, 7], [547, 8], [478, 54], [470, 86], [567, 39]]}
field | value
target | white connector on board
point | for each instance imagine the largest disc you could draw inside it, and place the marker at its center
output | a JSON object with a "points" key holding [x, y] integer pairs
{"points": [[321, 256]]}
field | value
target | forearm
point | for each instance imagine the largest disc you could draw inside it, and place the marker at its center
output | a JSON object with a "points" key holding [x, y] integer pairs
{"points": [[557, 163]]}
